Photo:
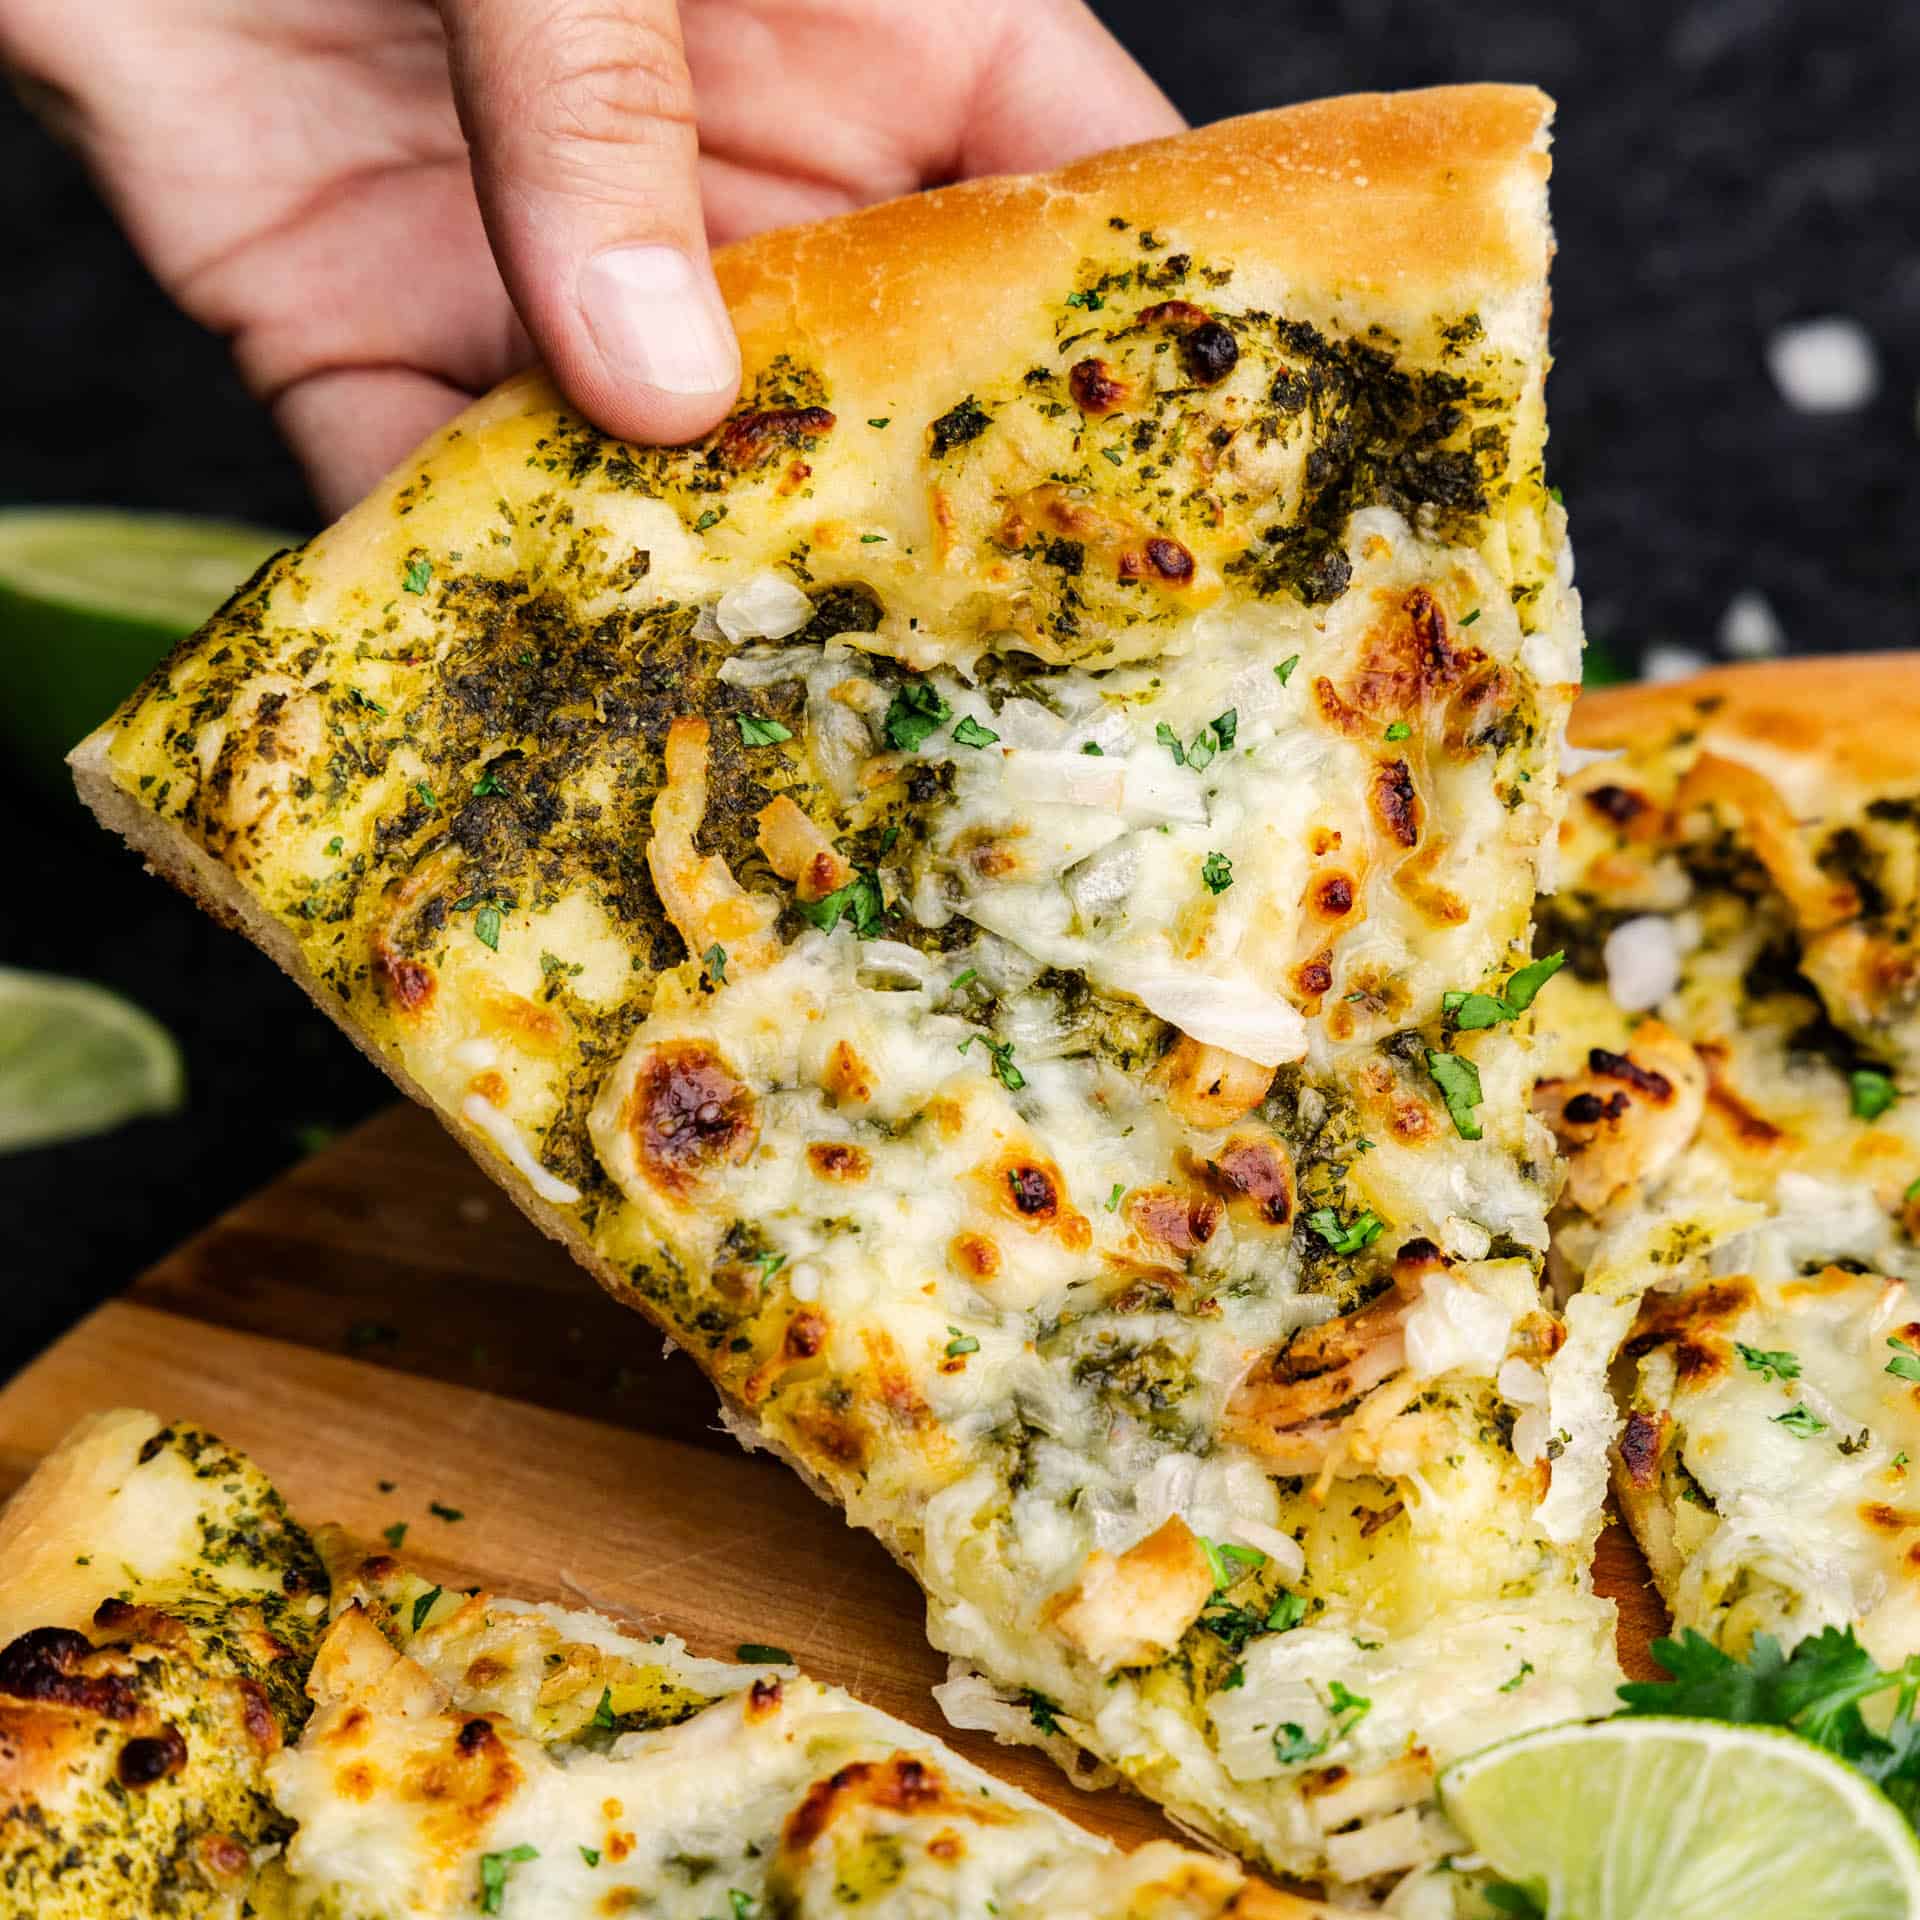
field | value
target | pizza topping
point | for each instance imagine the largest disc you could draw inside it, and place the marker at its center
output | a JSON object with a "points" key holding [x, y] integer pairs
{"points": [[799, 851], [1628, 1117], [1127, 1612], [767, 606], [752, 438], [1095, 387], [706, 904], [689, 1113], [1209, 1087], [152, 1757]]}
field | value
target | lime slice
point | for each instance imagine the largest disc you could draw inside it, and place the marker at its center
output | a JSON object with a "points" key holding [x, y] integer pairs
{"points": [[89, 603], [76, 1060], [1684, 1820]]}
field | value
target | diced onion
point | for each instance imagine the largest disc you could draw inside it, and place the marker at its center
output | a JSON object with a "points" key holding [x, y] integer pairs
{"points": [[1233, 1014], [1288, 1556], [1642, 958], [765, 607], [1453, 1327], [1101, 883]]}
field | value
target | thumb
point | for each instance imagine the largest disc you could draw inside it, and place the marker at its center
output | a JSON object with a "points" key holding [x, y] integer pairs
{"points": [[580, 120]]}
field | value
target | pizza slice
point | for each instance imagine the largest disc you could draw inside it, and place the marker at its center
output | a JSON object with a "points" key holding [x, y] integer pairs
{"points": [[468, 1751], [158, 1613], [1728, 1068], [968, 898]]}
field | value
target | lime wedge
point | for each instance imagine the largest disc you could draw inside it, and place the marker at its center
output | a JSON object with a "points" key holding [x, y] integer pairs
{"points": [[77, 1060], [90, 601], [1656, 1819]]}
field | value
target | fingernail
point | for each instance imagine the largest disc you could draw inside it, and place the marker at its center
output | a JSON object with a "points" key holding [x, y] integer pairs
{"points": [[659, 320]]}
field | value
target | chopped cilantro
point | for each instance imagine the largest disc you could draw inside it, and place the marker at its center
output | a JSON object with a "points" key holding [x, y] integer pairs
{"points": [[960, 980], [336, 844], [424, 1606], [603, 1713], [426, 796], [1288, 1611], [1872, 1092], [861, 900], [1236, 1678], [1470, 1012], [1292, 1747], [741, 1903], [1286, 667], [489, 782], [715, 962], [916, 710], [1113, 1198], [884, 420], [1459, 1082], [1171, 741], [1509, 1686], [1092, 299], [449, 1514], [1217, 871], [591, 1855], [1100, 753], [1816, 1691], [871, 539], [1346, 1236], [1801, 1421], [1504, 1897], [756, 730], [960, 1344], [1398, 730], [756, 1654], [968, 732], [419, 572], [1114, 454], [486, 927], [395, 1535], [1226, 727], [1471, 618], [1905, 1364], [1005, 1071], [769, 1264], [711, 518], [366, 700], [1227, 1562], [493, 1873], [1041, 1711], [1774, 1364]]}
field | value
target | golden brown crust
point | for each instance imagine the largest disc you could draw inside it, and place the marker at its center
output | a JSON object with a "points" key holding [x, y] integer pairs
{"points": [[1386, 208], [1841, 729]]}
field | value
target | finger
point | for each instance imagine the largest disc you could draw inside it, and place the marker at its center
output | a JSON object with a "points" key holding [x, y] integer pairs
{"points": [[352, 426], [580, 118], [1059, 86]]}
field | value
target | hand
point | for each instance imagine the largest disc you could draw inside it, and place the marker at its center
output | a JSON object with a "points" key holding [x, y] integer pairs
{"points": [[296, 175]]}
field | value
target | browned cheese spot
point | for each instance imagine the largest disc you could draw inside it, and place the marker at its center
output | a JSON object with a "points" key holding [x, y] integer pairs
{"points": [[688, 1113], [1641, 1444], [839, 1160], [1096, 387]]}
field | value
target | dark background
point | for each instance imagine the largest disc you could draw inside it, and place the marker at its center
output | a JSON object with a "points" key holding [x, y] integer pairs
{"points": [[1721, 168]]}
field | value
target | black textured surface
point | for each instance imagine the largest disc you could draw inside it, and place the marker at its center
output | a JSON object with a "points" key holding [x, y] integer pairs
{"points": [[1721, 167]]}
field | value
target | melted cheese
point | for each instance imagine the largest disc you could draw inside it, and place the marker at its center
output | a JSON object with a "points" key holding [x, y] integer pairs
{"points": [[469, 1760], [1750, 1271]]}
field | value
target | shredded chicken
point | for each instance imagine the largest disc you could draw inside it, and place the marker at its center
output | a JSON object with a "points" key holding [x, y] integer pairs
{"points": [[1128, 1612], [1819, 900], [1210, 1087], [798, 851], [1288, 1410], [706, 904], [1628, 1117]]}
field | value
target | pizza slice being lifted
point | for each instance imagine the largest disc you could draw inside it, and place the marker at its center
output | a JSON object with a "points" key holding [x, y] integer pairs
{"points": [[970, 899], [1729, 1067]]}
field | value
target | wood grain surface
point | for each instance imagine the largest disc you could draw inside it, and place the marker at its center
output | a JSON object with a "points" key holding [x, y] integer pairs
{"points": [[385, 1334]]}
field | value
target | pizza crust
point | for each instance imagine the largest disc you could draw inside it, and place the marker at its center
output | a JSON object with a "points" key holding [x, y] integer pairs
{"points": [[1831, 733]]}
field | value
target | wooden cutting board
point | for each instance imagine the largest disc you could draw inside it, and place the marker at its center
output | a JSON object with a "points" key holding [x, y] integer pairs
{"points": [[393, 1342]]}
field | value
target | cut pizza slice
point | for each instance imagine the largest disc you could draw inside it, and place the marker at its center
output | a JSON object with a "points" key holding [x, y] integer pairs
{"points": [[158, 1613], [1727, 1068], [468, 1750], [991, 900]]}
